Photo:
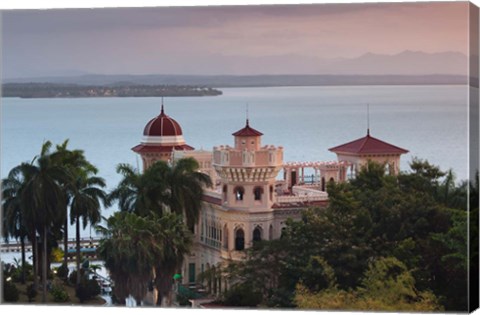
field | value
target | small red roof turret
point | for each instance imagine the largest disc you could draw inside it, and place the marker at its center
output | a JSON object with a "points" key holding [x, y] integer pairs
{"points": [[247, 131]]}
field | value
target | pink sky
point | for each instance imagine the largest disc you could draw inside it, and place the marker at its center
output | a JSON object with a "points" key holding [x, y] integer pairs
{"points": [[222, 40]]}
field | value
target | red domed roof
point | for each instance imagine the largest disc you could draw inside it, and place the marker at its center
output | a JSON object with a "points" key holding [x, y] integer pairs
{"points": [[162, 125]]}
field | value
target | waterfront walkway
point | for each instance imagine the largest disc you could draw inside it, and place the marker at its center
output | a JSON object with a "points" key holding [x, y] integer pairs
{"points": [[88, 247], [15, 246]]}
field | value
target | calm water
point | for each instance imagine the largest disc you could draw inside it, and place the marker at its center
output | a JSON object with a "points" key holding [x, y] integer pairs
{"points": [[429, 121]]}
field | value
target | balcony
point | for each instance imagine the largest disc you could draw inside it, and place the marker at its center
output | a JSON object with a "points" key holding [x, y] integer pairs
{"points": [[303, 194]]}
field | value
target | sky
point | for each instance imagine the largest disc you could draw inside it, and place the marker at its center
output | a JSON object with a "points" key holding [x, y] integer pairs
{"points": [[222, 39]]}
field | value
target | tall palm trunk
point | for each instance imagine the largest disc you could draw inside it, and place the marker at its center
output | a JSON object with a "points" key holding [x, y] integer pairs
{"points": [[22, 244], [35, 261], [44, 265], [65, 242], [164, 284], [77, 228]]}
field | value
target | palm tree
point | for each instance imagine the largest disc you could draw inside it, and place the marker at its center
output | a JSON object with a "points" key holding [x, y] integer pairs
{"points": [[134, 246], [45, 199], [186, 185], [86, 194], [129, 248], [170, 194], [74, 162], [14, 224], [176, 241], [161, 186], [140, 193]]}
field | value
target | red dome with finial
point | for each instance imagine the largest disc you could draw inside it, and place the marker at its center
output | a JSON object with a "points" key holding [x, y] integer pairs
{"points": [[162, 134], [162, 125]]}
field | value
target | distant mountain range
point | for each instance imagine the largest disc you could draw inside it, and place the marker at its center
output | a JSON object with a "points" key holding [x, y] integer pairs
{"points": [[220, 81], [408, 67], [404, 63]]}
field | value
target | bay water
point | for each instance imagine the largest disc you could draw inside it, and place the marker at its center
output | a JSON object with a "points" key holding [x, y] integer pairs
{"points": [[429, 121]]}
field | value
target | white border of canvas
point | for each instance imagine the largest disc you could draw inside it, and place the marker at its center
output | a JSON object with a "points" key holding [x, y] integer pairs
{"points": [[49, 4]]}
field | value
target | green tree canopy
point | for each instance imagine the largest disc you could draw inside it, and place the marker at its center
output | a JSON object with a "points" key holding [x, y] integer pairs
{"points": [[406, 217]]}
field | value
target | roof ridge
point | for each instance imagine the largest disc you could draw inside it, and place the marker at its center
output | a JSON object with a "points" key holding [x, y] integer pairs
{"points": [[350, 142], [365, 139], [367, 143], [388, 143]]}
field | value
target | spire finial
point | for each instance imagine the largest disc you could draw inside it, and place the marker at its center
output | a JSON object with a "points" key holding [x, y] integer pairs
{"points": [[368, 119], [247, 113], [161, 112]]}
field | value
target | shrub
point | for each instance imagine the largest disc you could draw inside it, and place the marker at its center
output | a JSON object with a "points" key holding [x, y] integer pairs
{"points": [[56, 255], [62, 272], [87, 290], [242, 295], [31, 292], [184, 296], [72, 278], [93, 287], [59, 294], [16, 273], [8, 270], [10, 292]]}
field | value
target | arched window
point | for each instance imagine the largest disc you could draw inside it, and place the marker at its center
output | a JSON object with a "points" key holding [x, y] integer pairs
{"points": [[331, 180], [257, 234], [323, 183], [239, 192], [257, 192], [271, 192], [239, 240], [224, 192], [390, 168], [270, 233]]}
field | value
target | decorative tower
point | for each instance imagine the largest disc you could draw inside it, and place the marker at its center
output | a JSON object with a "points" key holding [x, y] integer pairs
{"points": [[248, 171], [161, 136]]}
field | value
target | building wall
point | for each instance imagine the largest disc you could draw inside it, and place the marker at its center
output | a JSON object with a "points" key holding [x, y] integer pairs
{"points": [[358, 161], [218, 248]]}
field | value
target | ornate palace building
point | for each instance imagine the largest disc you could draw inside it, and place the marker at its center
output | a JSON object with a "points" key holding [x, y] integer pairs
{"points": [[248, 201]]}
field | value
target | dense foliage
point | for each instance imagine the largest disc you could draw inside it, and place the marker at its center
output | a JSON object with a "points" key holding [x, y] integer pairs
{"points": [[386, 285], [416, 222]]}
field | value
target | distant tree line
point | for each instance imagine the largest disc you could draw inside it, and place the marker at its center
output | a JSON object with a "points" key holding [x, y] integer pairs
{"points": [[52, 90]]}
